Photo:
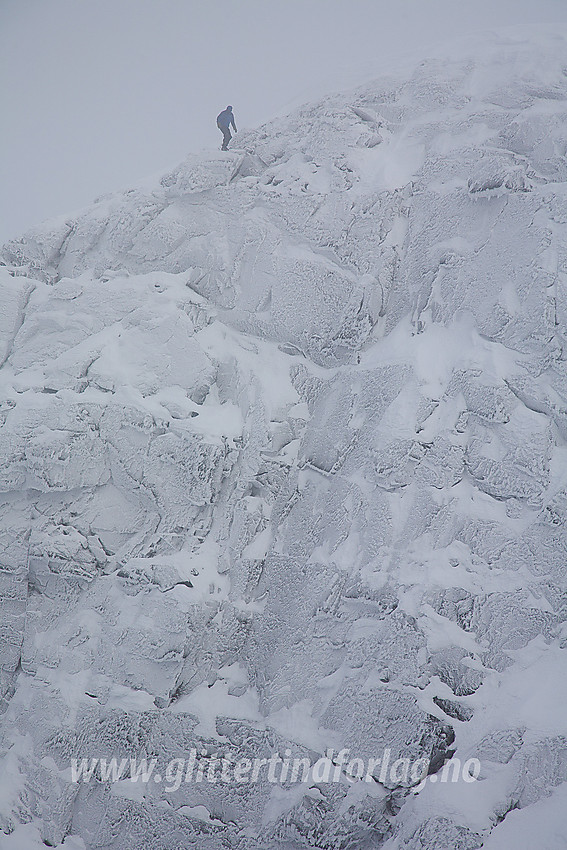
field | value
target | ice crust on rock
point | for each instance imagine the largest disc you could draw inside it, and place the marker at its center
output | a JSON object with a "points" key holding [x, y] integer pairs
{"points": [[284, 466]]}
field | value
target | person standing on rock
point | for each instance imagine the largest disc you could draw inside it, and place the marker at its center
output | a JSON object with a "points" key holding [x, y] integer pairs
{"points": [[224, 121]]}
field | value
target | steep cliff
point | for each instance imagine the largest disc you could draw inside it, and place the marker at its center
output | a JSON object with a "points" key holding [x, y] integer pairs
{"points": [[285, 468]]}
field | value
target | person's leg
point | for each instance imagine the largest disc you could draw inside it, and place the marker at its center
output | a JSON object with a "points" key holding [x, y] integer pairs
{"points": [[226, 138]]}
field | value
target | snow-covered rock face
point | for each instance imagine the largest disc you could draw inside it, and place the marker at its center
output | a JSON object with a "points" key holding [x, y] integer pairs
{"points": [[285, 468]]}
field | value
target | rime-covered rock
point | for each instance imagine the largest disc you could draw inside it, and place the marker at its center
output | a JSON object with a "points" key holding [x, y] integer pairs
{"points": [[284, 470]]}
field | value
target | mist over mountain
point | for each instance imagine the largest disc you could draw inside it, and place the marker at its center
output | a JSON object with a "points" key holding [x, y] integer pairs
{"points": [[285, 470]]}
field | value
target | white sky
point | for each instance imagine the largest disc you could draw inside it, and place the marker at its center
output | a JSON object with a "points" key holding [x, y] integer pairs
{"points": [[97, 94]]}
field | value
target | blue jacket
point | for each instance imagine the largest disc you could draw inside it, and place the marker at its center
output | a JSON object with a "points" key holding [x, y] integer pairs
{"points": [[225, 119]]}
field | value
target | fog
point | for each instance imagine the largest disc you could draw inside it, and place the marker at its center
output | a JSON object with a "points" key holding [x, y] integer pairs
{"points": [[99, 93]]}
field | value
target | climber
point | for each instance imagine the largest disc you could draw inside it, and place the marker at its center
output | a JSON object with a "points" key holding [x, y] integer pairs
{"points": [[224, 120]]}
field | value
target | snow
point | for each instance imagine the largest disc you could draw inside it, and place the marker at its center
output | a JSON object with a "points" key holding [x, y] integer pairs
{"points": [[28, 837], [545, 827], [284, 468]]}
